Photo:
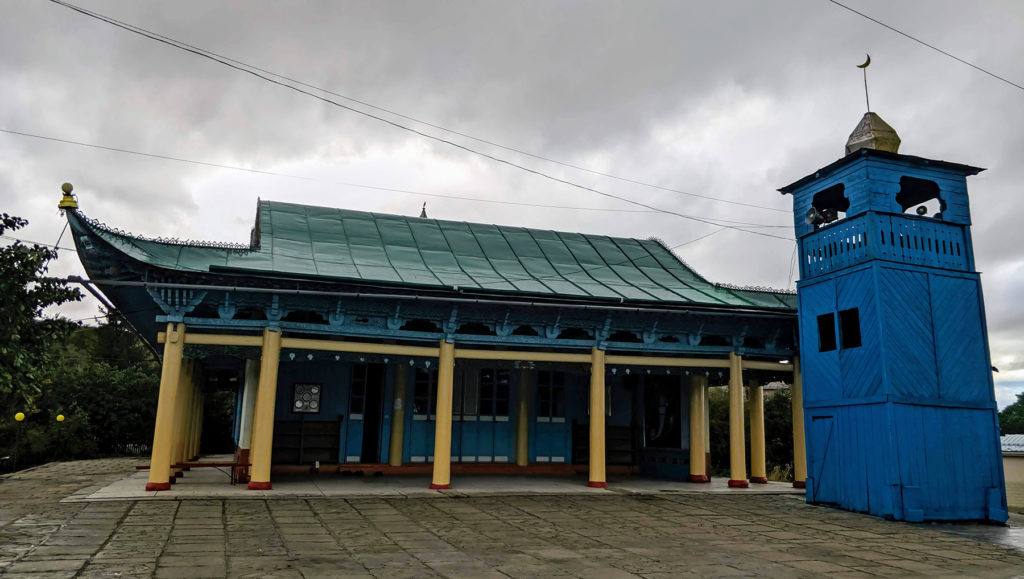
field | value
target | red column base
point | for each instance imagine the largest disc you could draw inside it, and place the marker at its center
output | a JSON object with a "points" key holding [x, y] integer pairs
{"points": [[698, 478], [738, 484], [158, 486], [439, 487], [259, 486], [799, 484], [760, 480], [596, 484]]}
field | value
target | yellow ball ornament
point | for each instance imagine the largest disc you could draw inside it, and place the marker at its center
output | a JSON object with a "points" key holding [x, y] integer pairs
{"points": [[19, 416], [60, 418]]}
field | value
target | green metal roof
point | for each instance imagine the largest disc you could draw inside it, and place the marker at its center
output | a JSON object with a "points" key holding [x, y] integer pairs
{"points": [[307, 241]]}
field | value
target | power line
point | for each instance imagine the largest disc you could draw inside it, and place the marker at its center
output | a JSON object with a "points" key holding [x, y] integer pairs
{"points": [[36, 242], [933, 47], [399, 125], [373, 187], [208, 53]]}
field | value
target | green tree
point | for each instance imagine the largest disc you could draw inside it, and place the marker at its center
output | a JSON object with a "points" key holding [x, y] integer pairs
{"points": [[29, 342], [1011, 419], [778, 431]]}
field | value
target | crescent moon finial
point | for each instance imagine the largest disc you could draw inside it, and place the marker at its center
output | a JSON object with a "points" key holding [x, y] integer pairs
{"points": [[866, 62]]}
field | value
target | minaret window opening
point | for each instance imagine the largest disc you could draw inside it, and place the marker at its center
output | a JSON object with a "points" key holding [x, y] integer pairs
{"points": [[920, 197], [849, 328], [826, 332], [828, 205]]}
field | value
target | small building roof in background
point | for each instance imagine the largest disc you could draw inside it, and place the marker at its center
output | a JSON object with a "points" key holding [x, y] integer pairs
{"points": [[1012, 443]]}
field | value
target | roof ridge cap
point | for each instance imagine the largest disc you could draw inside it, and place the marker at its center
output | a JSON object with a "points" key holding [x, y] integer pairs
{"points": [[99, 225]]}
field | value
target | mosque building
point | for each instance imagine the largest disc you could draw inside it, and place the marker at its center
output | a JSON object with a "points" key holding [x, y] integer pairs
{"points": [[385, 343]]}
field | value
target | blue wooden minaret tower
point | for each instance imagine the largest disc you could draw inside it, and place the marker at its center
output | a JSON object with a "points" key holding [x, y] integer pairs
{"points": [[900, 413]]}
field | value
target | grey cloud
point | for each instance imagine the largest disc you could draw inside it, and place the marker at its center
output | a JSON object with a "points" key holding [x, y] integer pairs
{"points": [[727, 99]]}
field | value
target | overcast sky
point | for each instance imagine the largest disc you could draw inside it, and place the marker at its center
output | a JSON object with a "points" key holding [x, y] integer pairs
{"points": [[730, 100]]}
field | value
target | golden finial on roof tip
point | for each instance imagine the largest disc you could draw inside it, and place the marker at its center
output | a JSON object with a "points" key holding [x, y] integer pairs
{"points": [[68, 201], [864, 69], [872, 132]]}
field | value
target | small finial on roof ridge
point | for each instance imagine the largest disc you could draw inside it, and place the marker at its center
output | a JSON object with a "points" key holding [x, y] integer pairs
{"points": [[68, 201], [423, 212]]}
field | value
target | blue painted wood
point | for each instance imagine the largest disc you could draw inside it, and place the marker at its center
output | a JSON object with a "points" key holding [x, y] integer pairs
{"points": [[819, 368], [859, 371], [960, 347], [354, 439], [907, 341], [903, 424]]}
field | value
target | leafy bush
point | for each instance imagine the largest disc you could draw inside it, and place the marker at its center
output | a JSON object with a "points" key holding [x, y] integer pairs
{"points": [[778, 432]]}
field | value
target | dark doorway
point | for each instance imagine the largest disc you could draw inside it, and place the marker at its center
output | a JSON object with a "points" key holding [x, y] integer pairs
{"points": [[375, 374]]}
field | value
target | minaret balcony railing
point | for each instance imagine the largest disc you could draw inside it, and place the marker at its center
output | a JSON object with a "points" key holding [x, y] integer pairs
{"points": [[903, 239]]}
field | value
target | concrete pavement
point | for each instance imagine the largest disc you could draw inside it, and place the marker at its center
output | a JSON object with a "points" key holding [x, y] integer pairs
{"points": [[656, 534]]}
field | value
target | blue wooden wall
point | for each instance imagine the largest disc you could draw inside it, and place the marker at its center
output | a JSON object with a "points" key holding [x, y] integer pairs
{"points": [[903, 424]]}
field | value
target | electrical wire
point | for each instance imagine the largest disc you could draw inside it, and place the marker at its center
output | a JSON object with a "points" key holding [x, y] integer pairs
{"points": [[372, 187], [933, 47], [405, 127], [792, 265], [205, 52], [11, 237]]}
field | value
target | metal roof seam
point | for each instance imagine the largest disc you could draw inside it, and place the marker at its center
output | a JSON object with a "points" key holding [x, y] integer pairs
{"points": [[632, 263], [644, 246], [589, 272], [672, 271], [554, 265], [519, 258], [419, 250], [384, 245], [609, 266], [456, 258], [490, 260]]}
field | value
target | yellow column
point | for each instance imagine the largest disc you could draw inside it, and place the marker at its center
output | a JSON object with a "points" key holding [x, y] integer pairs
{"points": [[758, 470], [200, 412], [398, 415], [181, 417], [698, 472], [707, 429], [737, 454], [799, 445], [597, 410], [252, 378], [443, 425], [163, 432], [253, 443], [263, 427], [523, 419], [193, 430]]}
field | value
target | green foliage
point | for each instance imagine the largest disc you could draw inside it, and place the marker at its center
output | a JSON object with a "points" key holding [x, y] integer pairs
{"points": [[118, 404], [778, 432], [29, 342], [718, 418], [101, 379], [1011, 419], [106, 394]]}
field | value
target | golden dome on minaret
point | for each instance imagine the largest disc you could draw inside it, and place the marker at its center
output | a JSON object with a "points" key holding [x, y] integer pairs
{"points": [[873, 133]]}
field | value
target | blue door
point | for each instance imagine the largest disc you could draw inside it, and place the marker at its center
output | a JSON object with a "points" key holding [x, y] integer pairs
{"points": [[822, 461], [362, 443], [552, 432], [421, 416], [481, 430]]}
